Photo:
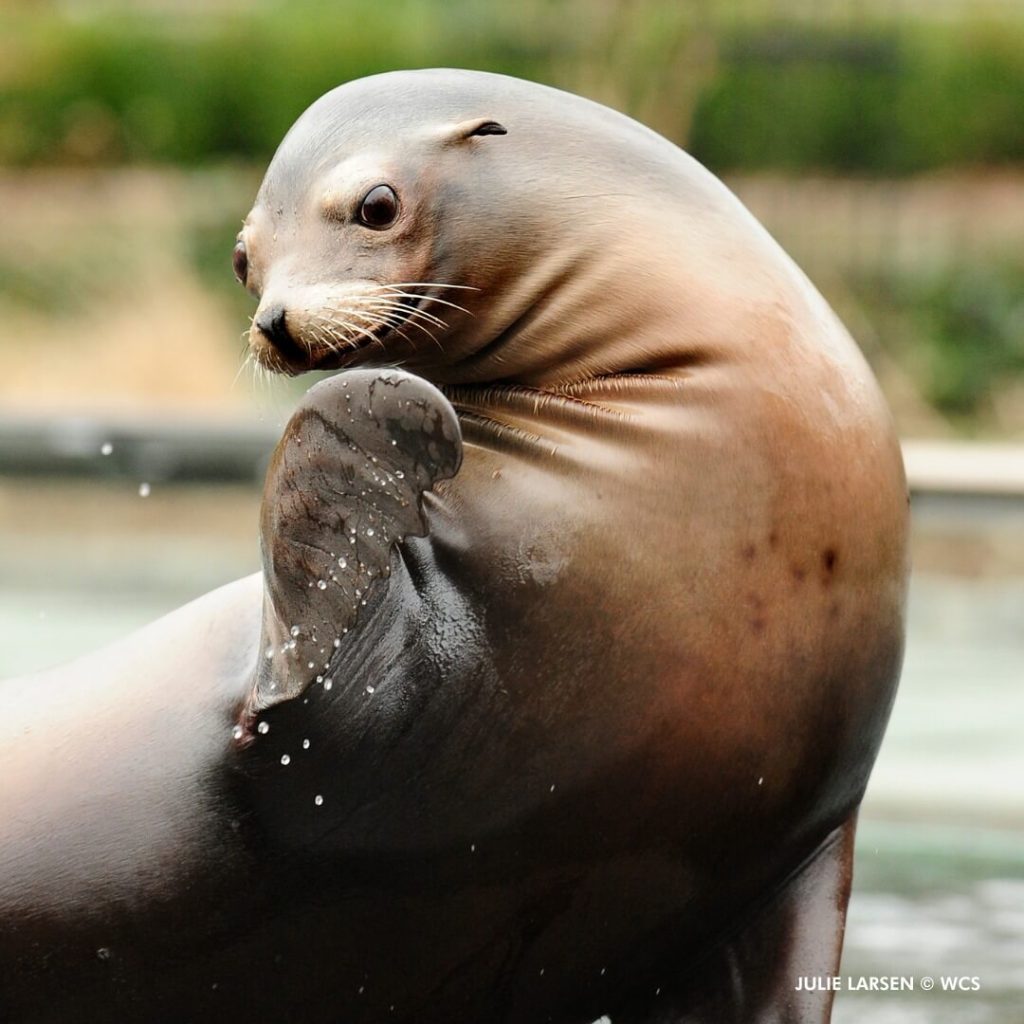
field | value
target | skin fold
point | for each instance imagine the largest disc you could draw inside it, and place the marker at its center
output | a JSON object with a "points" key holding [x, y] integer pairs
{"points": [[580, 621]]}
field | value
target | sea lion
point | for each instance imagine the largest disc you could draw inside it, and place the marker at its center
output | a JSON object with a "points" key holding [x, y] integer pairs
{"points": [[577, 635]]}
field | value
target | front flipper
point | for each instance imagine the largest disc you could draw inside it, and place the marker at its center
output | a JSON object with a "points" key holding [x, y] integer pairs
{"points": [[345, 485]]}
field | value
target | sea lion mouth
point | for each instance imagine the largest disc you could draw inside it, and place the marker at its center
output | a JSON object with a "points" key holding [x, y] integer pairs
{"points": [[335, 351], [320, 343], [381, 324]]}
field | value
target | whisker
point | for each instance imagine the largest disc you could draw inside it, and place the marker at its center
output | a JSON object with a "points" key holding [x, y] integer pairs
{"points": [[331, 314], [410, 312], [392, 290], [429, 284], [322, 338], [334, 321], [412, 318], [244, 364], [415, 323], [368, 318]]}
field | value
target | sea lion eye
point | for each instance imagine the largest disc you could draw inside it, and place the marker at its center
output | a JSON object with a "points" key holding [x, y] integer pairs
{"points": [[240, 262], [379, 208]]}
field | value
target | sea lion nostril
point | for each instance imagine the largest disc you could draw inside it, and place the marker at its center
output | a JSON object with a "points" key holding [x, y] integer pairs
{"points": [[272, 322]]}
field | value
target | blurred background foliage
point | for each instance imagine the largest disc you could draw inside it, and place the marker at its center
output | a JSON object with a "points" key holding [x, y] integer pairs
{"points": [[881, 142]]}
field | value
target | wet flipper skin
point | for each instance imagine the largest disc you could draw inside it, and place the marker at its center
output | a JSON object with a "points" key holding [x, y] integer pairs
{"points": [[345, 486]]}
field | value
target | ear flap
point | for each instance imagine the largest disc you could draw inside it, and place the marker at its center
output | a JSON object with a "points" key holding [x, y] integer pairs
{"points": [[476, 127]]}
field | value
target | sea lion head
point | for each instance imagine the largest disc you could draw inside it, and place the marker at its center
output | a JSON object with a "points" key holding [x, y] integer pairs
{"points": [[477, 228]]}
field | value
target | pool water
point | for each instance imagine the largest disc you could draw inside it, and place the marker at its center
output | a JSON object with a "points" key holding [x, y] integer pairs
{"points": [[939, 881]]}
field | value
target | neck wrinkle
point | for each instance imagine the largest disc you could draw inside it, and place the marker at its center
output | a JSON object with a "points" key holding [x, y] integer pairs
{"points": [[655, 299]]}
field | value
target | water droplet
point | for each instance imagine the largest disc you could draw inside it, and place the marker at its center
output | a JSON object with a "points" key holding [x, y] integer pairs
{"points": [[285, 759], [472, 847], [143, 490], [760, 781], [305, 744], [263, 728], [321, 584], [237, 732], [342, 563], [268, 653], [318, 800], [369, 532], [328, 683], [552, 787], [371, 689], [103, 953], [310, 664], [319, 679], [399, 474], [337, 641], [106, 448], [295, 631]]}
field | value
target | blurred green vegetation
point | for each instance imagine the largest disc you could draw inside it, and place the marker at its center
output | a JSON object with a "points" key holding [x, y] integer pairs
{"points": [[960, 330], [128, 85], [871, 94], [885, 100], [874, 89]]}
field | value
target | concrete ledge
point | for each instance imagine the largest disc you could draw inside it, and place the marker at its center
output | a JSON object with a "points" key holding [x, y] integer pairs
{"points": [[965, 467], [178, 449], [151, 449]]}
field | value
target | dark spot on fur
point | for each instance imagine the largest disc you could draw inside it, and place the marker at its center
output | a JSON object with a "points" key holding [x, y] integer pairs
{"points": [[828, 559], [748, 551], [799, 574], [833, 610], [773, 539], [757, 624]]}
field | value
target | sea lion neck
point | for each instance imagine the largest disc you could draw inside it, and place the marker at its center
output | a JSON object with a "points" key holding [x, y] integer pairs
{"points": [[625, 297]]}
